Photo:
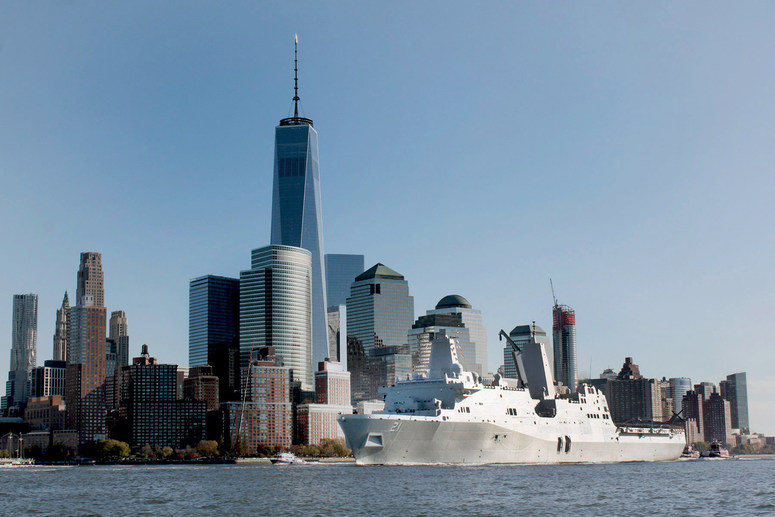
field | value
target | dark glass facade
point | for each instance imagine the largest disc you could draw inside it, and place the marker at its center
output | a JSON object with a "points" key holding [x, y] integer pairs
{"points": [[213, 316], [297, 218], [341, 271]]}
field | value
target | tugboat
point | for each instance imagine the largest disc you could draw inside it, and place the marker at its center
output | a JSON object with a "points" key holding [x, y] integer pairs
{"points": [[718, 451]]}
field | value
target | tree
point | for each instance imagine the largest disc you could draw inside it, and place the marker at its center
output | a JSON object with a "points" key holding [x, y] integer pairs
{"points": [[207, 448], [110, 450], [59, 452]]}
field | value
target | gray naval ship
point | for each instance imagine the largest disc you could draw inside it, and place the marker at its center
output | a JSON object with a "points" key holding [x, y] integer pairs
{"points": [[450, 416]]}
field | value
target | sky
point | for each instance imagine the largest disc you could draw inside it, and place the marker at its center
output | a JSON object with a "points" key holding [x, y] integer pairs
{"points": [[624, 150]]}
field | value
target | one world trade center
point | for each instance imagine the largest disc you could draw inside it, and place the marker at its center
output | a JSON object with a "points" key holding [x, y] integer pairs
{"points": [[296, 212]]}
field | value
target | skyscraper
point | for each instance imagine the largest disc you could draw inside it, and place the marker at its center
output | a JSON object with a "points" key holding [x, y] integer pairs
{"points": [[564, 338], [62, 330], [679, 386], [735, 390], [297, 218], [379, 315], [341, 271], [522, 334], [275, 308], [24, 344], [473, 352], [213, 330], [87, 353], [90, 280], [119, 333]]}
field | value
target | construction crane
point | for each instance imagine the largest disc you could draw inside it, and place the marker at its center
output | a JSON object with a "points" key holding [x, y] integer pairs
{"points": [[553, 296]]}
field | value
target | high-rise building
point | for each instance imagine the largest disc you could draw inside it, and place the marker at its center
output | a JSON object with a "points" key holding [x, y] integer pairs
{"points": [[297, 219], [717, 419], [423, 332], [679, 386], [473, 350], [705, 389], [90, 280], [87, 353], [694, 416], [86, 368], [564, 338], [213, 316], [119, 333], [24, 345], [341, 271], [522, 334], [150, 409], [735, 390], [379, 315], [265, 417], [275, 300], [62, 330], [631, 397]]}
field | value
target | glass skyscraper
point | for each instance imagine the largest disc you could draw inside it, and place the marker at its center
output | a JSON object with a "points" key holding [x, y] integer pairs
{"points": [[341, 271], [213, 316], [24, 347], [297, 219], [275, 297], [735, 390], [379, 315]]}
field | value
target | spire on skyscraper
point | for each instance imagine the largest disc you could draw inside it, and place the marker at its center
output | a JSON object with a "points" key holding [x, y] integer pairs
{"points": [[296, 120]]}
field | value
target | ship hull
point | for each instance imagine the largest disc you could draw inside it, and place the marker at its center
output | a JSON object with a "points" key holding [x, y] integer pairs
{"points": [[390, 439]]}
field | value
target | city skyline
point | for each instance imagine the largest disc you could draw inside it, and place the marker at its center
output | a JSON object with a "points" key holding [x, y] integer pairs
{"points": [[636, 141]]}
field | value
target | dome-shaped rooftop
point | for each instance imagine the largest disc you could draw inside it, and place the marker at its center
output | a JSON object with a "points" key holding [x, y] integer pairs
{"points": [[453, 300]]}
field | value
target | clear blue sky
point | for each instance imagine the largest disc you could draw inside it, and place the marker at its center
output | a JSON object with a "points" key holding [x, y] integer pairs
{"points": [[624, 149]]}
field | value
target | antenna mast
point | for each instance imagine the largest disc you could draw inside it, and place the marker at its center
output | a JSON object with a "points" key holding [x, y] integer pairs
{"points": [[296, 76]]}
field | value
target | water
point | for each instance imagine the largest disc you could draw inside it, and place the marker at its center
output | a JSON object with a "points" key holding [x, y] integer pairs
{"points": [[732, 487]]}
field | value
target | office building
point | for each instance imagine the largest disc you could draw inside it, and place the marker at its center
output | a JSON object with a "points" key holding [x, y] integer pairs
{"points": [[564, 339], [275, 302], [62, 330], [379, 315], [213, 330], [49, 379], [694, 416], [679, 386], [297, 219], [522, 334], [46, 412], [24, 345], [735, 390], [424, 331], [473, 344], [341, 271], [150, 409]]}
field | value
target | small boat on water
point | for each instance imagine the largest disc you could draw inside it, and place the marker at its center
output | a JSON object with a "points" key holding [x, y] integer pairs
{"points": [[690, 452], [716, 451], [287, 458]]}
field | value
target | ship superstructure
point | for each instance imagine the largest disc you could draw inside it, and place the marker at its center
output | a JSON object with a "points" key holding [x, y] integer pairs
{"points": [[450, 416]]}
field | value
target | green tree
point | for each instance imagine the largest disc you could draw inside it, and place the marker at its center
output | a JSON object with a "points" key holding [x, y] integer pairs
{"points": [[207, 448], [110, 450], [4, 453]]}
